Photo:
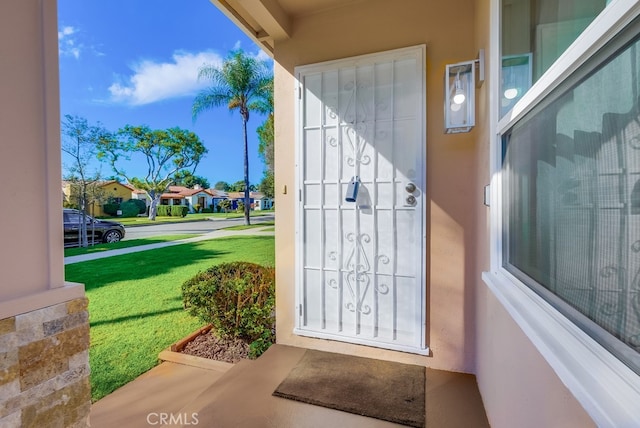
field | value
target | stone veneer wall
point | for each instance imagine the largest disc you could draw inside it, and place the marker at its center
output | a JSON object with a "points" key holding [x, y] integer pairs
{"points": [[44, 367]]}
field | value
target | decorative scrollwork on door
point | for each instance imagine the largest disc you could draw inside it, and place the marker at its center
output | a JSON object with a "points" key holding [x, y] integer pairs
{"points": [[357, 273]]}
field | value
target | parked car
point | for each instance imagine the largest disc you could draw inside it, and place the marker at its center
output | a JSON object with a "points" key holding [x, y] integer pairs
{"points": [[97, 230]]}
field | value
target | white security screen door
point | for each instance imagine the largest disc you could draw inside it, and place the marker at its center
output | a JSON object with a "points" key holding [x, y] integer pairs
{"points": [[361, 253]]}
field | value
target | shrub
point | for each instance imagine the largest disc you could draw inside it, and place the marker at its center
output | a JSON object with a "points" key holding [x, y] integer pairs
{"points": [[129, 209], [238, 299], [111, 208], [163, 211], [207, 210], [142, 205], [179, 210], [73, 205], [196, 208]]}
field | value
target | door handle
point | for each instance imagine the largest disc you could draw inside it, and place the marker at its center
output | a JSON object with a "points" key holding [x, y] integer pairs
{"points": [[410, 187]]}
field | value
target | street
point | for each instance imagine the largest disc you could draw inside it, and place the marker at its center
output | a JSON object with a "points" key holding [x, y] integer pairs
{"points": [[196, 228]]}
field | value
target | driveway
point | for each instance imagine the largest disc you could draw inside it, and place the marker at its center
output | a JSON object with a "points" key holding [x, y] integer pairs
{"points": [[196, 227]]}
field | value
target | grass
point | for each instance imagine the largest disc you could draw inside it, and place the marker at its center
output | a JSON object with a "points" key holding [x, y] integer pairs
{"points": [[124, 244], [135, 302], [251, 226], [144, 221]]}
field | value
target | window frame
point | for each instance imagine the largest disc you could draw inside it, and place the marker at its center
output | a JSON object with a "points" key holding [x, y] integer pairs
{"points": [[607, 389]]}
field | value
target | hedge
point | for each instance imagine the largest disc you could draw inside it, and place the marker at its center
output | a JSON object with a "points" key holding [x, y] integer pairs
{"points": [[179, 210], [172, 210]]}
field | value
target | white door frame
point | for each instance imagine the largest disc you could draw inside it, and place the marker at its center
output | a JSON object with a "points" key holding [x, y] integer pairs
{"points": [[419, 52]]}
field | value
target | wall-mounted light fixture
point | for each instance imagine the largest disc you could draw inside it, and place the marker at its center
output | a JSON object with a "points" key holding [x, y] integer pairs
{"points": [[459, 98]]}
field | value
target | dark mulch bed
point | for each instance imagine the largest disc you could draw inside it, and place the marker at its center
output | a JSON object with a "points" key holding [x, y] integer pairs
{"points": [[210, 346]]}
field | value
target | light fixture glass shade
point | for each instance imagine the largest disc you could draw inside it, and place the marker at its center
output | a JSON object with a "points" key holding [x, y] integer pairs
{"points": [[459, 100]]}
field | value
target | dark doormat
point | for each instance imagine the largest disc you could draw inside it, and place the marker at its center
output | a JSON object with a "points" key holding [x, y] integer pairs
{"points": [[384, 390]]}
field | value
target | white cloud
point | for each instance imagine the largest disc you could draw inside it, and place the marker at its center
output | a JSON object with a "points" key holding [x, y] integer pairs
{"points": [[153, 81], [67, 45], [262, 56], [66, 31]]}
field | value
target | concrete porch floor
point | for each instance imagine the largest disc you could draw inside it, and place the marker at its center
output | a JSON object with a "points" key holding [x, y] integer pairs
{"points": [[241, 398]]}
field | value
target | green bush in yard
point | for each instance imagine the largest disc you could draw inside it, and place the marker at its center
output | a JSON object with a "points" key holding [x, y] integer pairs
{"points": [[111, 209], [163, 211], [179, 210], [142, 205], [238, 299], [129, 209]]}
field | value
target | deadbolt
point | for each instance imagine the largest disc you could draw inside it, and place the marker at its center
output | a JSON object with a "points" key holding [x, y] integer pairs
{"points": [[411, 200], [410, 187]]}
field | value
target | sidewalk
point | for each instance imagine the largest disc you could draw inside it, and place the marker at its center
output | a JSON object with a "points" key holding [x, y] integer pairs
{"points": [[221, 233]]}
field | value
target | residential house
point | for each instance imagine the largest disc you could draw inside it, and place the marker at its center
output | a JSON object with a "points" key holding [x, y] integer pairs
{"points": [[262, 202], [180, 195], [218, 196], [110, 191], [509, 251], [257, 200]]}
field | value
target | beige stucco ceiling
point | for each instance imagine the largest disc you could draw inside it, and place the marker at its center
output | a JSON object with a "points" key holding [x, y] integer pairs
{"points": [[307, 7], [268, 20]]}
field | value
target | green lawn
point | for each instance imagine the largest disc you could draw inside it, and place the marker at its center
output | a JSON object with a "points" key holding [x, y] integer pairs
{"points": [[251, 226], [124, 244], [135, 302], [143, 221]]}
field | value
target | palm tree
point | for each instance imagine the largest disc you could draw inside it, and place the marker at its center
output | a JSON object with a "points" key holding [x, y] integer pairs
{"points": [[242, 83]]}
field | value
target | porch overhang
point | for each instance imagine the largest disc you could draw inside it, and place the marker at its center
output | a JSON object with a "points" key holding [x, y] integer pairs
{"points": [[264, 21], [268, 21]]}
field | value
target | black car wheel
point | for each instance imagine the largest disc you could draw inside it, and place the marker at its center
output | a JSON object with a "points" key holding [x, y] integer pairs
{"points": [[112, 236]]}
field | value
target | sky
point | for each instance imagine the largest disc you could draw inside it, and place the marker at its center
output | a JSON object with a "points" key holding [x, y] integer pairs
{"points": [[136, 62]]}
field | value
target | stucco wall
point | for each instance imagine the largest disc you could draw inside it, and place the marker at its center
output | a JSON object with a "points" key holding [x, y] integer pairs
{"points": [[368, 27], [515, 381]]}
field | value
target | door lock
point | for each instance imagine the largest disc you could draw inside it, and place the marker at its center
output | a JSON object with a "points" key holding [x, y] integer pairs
{"points": [[411, 200], [410, 187], [352, 189]]}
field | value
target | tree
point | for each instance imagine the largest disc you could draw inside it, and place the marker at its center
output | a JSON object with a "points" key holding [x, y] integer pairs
{"points": [[222, 185], [265, 148], [80, 143], [266, 130], [166, 152], [241, 83], [225, 204], [240, 185], [187, 179], [266, 142], [266, 186]]}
